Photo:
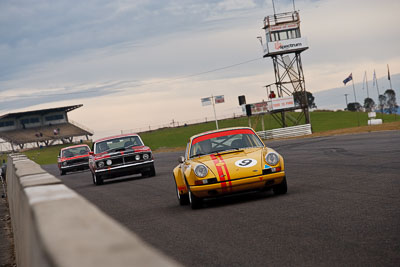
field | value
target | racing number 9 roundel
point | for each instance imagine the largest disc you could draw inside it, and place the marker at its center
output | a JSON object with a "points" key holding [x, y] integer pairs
{"points": [[246, 163]]}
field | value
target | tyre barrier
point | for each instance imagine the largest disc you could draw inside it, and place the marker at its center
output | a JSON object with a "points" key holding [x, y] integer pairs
{"points": [[54, 226]]}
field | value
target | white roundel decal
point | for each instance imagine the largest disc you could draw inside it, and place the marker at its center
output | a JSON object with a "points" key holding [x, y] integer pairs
{"points": [[246, 163]]}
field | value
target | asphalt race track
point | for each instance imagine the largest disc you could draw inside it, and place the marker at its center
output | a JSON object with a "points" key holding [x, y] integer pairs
{"points": [[342, 208]]}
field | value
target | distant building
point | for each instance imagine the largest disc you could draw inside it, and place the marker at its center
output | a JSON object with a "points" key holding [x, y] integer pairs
{"points": [[39, 127]]}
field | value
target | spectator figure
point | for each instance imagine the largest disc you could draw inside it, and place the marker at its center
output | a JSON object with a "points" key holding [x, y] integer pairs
{"points": [[55, 131], [41, 134], [272, 95]]}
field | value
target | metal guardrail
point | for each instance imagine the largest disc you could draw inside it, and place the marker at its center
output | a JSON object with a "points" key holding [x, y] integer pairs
{"points": [[292, 131]]}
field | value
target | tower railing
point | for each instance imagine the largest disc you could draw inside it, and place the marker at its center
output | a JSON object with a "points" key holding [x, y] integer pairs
{"points": [[281, 18]]}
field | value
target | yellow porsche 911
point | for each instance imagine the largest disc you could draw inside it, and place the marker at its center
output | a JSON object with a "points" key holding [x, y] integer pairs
{"points": [[224, 162]]}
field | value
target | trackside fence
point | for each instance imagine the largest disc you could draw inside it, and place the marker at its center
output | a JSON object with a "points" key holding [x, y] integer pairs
{"points": [[54, 226], [292, 131]]}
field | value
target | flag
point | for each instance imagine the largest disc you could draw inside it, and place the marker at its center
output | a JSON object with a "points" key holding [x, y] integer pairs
{"points": [[388, 73], [219, 99], [206, 101], [348, 79]]}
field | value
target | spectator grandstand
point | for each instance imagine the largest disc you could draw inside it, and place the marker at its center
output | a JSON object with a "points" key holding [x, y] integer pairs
{"points": [[41, 127]]}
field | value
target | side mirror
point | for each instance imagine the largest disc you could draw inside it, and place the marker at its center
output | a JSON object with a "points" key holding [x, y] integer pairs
{"points": [[181, 159]]}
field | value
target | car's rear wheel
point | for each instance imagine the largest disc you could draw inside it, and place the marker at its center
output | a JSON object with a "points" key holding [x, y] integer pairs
{"points": [[195, 202], [97, 180], [281, 188]]}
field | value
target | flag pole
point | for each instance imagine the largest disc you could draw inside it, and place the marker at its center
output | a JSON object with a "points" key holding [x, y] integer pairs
{"points": [[390, 81], [355, 101], [215, 114], [366, 82], [376, 80]]}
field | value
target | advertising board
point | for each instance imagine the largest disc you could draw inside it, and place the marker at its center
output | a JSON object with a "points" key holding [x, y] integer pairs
{"points": [[287, 45]]}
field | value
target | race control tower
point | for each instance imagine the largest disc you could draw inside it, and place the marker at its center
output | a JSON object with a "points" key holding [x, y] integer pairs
{"points": [[284, 45]]}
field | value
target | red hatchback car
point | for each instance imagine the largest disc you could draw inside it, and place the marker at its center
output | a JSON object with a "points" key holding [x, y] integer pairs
{"points": [[73, 158]]}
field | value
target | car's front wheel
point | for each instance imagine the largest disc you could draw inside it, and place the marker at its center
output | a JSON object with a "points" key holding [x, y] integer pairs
{"points": [[195, 202], [97, 180], [183, 199], [281, 188], [150, 173]]}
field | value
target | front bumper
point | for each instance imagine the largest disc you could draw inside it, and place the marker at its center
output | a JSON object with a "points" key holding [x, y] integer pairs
{"points": [[75, 167], [238, 185], [126, 169]]}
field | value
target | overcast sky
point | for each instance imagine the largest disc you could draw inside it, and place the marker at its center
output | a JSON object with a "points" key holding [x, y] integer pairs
{"points": [[138, 63]]}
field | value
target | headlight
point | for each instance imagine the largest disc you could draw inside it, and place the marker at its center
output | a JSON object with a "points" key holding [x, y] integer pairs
{"points": [[64, 163], [109, 162], [137, 157], [146, 156], [201, 171], [100, 164], [272, 158]]}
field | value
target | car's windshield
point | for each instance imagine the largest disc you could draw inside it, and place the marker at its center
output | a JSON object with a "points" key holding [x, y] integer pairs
{"points": [[75, 151], [120, 143], [223, 141]]}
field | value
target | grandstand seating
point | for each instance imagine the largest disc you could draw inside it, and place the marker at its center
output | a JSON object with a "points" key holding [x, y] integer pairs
{"points": [[32, 135]]}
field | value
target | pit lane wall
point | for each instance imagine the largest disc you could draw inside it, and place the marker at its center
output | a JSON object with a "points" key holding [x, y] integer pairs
{"points": [[54, 226]]}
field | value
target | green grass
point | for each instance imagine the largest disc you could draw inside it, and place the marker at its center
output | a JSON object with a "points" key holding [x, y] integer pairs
{"points": [[178, 137], [321, 121], [44, 155]]}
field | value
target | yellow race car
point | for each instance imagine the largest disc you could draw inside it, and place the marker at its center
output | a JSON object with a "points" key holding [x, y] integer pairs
{"points": [[224, 162]]}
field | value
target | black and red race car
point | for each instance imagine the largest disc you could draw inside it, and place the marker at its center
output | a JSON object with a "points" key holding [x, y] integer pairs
{"points": [[118, 156], [73, 158]]}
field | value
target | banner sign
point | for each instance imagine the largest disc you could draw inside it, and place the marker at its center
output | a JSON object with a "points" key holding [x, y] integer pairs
{"points": [[287, 45], [219, 99], [274, 104], [284, 27], [282, 102], [206, 101], [258, 108]]}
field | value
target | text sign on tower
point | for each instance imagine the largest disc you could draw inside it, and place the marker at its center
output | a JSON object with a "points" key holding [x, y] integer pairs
{"points": [[282, 102], [274, 104], [287, 45]]}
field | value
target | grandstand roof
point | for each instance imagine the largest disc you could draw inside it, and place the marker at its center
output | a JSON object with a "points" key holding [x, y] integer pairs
{"points": [[40, 111]]}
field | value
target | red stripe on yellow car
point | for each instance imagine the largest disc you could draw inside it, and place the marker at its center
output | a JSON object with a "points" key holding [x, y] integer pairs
{"points": [[226, 170], [221, 174], [181, 188]]}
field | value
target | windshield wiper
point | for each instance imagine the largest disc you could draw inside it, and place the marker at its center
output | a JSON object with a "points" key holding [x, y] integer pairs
{"points": [[198, 155], [115, 149], [232, 150]]}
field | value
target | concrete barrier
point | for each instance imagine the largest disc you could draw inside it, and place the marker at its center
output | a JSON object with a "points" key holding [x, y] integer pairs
{"points": [[54, 226]]}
